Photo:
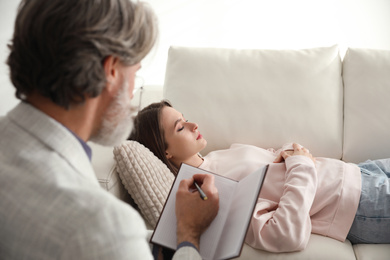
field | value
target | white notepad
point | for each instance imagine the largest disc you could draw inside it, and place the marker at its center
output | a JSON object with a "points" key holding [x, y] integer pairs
{"points": [[226, 234]]}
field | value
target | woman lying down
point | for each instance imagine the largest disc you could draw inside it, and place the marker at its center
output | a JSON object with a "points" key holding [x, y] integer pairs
{"points": [[300, 195]]}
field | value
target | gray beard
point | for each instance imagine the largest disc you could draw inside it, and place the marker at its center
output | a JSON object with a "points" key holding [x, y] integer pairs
{"points": [[117, 122]]}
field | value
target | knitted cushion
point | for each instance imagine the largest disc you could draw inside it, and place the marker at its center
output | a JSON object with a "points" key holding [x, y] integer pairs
{"points": [[147, 179]]}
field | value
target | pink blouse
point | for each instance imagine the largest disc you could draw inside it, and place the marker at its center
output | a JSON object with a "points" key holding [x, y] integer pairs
{"points": [[297, 198]]}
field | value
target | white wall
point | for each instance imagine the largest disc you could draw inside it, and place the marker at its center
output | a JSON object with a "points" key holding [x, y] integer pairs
{"points": [[7, 16], [275, 24]]}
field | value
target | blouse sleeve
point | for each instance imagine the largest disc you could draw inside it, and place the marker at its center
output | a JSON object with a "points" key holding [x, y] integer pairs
{"points": [[286, 226]]}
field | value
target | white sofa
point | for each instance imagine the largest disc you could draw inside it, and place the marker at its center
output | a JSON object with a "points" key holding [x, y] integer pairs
{"points": [[336, 108]]}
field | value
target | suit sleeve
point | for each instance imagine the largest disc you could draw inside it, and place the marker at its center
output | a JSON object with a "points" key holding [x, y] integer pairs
{"points": [[286, 226], [187, 253], [115, 232]]}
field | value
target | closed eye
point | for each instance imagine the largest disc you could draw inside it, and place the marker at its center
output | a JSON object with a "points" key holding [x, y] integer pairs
{"points": [[181, 128]]}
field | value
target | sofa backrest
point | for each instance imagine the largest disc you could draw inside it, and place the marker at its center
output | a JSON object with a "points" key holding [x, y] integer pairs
{"points": [[260, 97], [366, 75]]}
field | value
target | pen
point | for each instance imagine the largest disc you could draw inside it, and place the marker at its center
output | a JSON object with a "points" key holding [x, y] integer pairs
{"points": [[202, 194]]}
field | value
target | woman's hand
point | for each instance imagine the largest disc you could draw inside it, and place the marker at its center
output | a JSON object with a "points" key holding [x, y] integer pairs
{"points": [[298, 150], [280, 158]]}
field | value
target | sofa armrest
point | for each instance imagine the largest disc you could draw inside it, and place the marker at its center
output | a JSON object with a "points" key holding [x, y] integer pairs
{"points": [[104, 166]]}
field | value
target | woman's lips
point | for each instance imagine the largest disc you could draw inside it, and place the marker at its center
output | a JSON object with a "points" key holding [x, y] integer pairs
{"points": [[199, 137]]}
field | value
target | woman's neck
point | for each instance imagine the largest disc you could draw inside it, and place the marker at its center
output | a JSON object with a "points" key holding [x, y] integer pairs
{"points": [[195, 161]]}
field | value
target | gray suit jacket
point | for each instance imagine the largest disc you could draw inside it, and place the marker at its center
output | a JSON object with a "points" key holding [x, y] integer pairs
{"points": [[51, 205]]}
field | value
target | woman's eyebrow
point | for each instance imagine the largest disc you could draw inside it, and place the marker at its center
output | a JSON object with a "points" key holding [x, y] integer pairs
{"points": [[178, 120]]}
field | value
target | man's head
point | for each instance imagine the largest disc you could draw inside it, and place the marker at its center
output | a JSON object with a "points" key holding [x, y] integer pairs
{"points": [[59, 47], [116, 121]]}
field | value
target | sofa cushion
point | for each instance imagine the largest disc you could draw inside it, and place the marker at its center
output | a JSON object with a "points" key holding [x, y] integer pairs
{"points": [[369, 252], [147, 179], [366, 75], [260, 97], [319, 248]]}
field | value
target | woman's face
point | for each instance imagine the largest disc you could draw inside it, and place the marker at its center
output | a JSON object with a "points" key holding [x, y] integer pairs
{"points": [[183, 138]]}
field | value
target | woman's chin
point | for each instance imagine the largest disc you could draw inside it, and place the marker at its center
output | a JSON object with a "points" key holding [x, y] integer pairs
{"points": [[205, 144]]}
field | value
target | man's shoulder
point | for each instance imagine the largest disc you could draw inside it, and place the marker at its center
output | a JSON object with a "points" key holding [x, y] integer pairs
{"points": [[68, 218]]}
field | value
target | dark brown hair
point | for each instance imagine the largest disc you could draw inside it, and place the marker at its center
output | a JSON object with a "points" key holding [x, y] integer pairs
{"points": [[59, 46], [149, 132]]}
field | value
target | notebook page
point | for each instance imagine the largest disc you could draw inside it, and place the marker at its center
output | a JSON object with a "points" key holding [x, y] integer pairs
{"points": [[165, 232], [210, 238], [241, 209]]}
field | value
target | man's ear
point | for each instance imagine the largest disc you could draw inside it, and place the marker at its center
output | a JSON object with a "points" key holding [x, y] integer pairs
{"points": [[110, 65]]}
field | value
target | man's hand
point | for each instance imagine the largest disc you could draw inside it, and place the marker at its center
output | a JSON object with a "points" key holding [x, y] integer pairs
{"points": [[193, 214]]}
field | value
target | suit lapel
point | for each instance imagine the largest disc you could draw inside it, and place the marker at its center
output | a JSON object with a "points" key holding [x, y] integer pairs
{"points": [[55, 136]]}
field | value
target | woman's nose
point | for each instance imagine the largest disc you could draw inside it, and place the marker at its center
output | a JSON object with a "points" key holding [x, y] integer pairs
{"points": [[194, 127]]}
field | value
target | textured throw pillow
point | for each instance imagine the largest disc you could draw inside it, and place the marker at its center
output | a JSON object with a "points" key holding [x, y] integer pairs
{"points": [[147, 179]]}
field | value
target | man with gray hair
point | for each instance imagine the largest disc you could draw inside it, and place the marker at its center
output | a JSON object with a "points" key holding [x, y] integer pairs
{"points": [[73, 64]]}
